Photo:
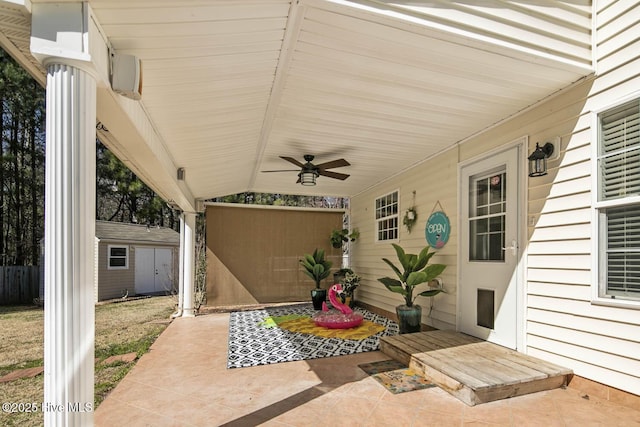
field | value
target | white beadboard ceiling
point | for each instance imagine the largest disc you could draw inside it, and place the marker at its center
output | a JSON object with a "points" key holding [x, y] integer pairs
{"points": [[231, 85]]}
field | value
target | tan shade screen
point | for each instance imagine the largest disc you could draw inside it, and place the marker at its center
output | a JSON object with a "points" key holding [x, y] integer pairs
{"points": [[253, 253]]}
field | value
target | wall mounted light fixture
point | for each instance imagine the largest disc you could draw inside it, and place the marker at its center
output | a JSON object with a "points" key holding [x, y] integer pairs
{"points": [[538, 159]]}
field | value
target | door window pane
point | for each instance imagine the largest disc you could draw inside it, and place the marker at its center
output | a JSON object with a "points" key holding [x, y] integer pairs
{"points": [[487, 205]]}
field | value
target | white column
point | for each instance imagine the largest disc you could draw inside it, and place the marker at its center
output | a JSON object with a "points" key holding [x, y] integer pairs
{"points": [[69, 247], [188, 249], [180, 271]]}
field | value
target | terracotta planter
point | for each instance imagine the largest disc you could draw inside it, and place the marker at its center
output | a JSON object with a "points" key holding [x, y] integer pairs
{"points": [[409, 318]]}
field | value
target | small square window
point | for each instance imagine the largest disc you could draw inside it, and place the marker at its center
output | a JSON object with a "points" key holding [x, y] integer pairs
{"points": [[118, 257], [386, 215]]}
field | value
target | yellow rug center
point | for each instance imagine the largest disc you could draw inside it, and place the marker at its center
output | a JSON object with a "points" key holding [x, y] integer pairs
{"points": [[305, 325]]}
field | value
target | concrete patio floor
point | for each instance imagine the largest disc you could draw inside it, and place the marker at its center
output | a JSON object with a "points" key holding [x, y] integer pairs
{"points": [[184, 381]]}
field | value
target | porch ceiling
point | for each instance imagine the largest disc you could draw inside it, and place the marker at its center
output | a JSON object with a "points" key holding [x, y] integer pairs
{"points": [[231, 85]]}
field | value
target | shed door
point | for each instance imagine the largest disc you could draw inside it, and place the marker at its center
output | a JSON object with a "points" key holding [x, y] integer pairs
{"points": [[153, 270]]}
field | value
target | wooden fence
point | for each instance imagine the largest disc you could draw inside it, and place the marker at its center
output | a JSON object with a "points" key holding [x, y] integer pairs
{"points": [[19, 284]]}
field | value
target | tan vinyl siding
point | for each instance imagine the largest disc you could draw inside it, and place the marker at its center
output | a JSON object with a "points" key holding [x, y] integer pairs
{"points": [[114, 283], [96, 270], [432, 181]]}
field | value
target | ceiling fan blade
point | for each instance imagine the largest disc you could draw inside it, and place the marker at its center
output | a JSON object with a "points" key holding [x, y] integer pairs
{"points": [[333, 164], [282, 170], [335, 175], [292, 160]]}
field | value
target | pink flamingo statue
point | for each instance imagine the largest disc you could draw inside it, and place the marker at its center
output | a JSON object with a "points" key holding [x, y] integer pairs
{"points": [[342, 318]]}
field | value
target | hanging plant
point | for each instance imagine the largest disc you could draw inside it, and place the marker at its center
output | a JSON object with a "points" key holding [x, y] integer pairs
{"points": [[338, 237], [410, 218]]}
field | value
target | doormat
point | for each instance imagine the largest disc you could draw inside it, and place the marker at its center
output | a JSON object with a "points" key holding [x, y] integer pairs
{"points": [[287, 333], [395, 376]]}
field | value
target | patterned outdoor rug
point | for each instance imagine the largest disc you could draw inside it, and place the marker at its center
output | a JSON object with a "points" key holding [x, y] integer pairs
{"points": [[287, 333], [395, 376]]}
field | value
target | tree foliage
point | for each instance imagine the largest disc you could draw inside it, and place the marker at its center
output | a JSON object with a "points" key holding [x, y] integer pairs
{"points": [[121, 196], [21, 164], [276, 199]]}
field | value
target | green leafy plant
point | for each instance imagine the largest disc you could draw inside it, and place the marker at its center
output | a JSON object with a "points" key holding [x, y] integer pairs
{"points": [[338, 237], [410, 218], [316, 266], [350, 282], [415, 271]]}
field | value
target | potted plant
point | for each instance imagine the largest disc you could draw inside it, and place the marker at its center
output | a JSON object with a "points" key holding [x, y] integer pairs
{"points": [[349, 281], [338, 237], [415, 270], [349, 284], [318, 268], [339, 275]]}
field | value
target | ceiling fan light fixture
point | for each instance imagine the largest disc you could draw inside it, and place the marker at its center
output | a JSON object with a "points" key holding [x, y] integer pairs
{"points": [[308, 177], [309, 172]]}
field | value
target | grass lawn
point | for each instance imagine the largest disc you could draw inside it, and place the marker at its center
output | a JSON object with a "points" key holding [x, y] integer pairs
{"points": [[121, 328]]}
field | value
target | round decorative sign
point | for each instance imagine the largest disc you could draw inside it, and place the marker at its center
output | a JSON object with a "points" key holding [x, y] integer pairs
{"points": [[437, 230]]}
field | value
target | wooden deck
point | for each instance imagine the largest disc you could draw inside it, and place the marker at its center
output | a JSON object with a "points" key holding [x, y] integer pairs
{"points": [[473, 370]]}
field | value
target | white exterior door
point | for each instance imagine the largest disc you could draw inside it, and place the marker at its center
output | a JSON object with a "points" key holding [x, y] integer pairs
{"points": [[488, 303], [153, 271], [163, 270]]}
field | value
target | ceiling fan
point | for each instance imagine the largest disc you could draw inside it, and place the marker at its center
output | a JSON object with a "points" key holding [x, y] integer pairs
{"points": [[309, 172]]}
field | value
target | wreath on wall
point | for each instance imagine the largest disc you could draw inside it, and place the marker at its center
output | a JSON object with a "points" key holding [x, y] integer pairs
{"points": [[410, 218]]}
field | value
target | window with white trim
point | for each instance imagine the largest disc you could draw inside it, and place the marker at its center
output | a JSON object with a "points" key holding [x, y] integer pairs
{"points": [[118, 257], [618, 203], [387, 217]]}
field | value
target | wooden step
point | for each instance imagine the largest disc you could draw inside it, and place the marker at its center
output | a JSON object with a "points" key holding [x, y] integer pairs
{"points": [[473, 370]]}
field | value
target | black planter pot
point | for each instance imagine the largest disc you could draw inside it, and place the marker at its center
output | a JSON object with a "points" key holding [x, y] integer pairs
{"points": [[409, 318], [318, 296]]}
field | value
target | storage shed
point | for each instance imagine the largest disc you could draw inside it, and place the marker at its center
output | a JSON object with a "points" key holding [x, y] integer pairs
{"points": [[135, 259]]}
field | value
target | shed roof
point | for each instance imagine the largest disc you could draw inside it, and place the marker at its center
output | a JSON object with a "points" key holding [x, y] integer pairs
{"points": [[123, 232]]}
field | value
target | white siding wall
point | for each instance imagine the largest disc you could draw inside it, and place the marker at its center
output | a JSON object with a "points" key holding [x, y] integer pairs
{"points": [[561, 324], [600, 343]]}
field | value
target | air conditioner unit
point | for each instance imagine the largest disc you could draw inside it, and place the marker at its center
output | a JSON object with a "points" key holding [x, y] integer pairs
{"points": [[126, 75]]}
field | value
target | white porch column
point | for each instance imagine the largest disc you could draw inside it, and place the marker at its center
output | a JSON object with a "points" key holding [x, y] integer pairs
{"points": [[178, 312], [69, 247], [188, 249]]}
